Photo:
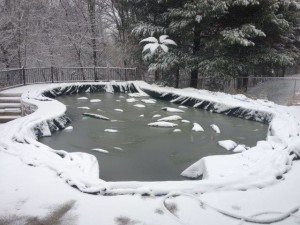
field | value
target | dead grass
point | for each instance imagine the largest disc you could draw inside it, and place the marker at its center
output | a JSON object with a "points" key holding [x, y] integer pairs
{"points": [[172, 207], [58, 216], [124, 220]]}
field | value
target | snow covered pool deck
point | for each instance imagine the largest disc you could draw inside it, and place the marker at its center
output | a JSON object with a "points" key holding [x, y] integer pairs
{"points": [[262, 165]]}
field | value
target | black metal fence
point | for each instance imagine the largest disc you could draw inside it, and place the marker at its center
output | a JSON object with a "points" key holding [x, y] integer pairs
{"points": [[23, 76], [282, 90]]}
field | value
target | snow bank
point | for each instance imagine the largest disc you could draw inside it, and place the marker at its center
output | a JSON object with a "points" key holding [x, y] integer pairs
{"points": [[260, 166]]}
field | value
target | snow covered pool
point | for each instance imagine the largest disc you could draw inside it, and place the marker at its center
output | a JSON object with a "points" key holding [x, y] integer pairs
{"points": [[140, 152]]}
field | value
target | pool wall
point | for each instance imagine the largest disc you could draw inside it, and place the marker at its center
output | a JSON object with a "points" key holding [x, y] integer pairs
{"points": [[262, 165]]}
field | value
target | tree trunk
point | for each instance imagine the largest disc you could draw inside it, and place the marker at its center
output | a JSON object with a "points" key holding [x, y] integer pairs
{"points": [[92, 16], [177, 77], [196, 48], [194, 78]]}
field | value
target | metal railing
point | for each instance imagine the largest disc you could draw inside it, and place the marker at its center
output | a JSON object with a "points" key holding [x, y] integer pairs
{"points": [[23, 76], [281, 90]]}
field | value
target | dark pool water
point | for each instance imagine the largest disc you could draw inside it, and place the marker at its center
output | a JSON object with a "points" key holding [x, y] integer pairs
{"points": [[147, 153]]}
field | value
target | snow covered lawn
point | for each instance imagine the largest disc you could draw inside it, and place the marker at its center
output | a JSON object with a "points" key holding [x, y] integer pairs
{"points": [[42, 184]]}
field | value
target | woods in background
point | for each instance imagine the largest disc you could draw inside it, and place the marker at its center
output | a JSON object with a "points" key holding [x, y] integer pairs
{"points": [[218, 38]]}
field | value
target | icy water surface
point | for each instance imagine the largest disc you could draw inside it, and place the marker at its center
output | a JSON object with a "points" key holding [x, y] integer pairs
{"points": [[142, 153]]}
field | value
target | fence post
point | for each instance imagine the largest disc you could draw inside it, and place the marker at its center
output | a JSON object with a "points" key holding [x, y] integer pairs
{"points": [[107, 73], [95, 75], [135, 73], [23, 75], [52, 74]]}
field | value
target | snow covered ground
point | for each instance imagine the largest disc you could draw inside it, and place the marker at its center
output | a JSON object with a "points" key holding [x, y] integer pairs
{"points": [[40, 185]]}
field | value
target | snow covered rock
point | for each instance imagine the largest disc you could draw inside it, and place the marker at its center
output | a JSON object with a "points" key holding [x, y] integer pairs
{"points": [[139, 106], [173, 110], [197, 127], [97, 116], [162, 124], [119, 110], [111, 131], [215, 128], [170, 118], [227, 144]]}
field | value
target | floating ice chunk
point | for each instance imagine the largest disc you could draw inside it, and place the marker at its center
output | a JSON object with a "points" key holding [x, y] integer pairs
{"points": [[156, 115], [197, 127], [139, 105], [100, 110], [97, 116], [100, 150], [240, 148], [95, 100], [182, 107], [111, 131], [83, 107], [118, 100], [177, 130], [185, 121], [118, 148], [149, 101], [121, 96], [137, 95], [142, 115], [131, 100], [69, 128], [174, 110], [82, 98], [227, 144], [162, 124], [215, 128], [171, 118], [119, 110]]}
